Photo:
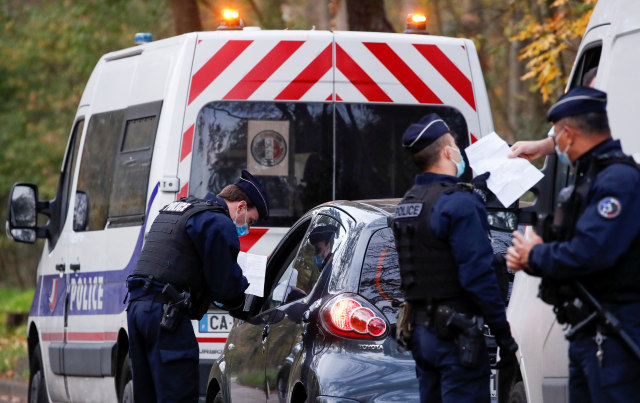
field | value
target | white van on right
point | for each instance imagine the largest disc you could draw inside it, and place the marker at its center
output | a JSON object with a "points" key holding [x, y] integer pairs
{"points": [[612, 43]]}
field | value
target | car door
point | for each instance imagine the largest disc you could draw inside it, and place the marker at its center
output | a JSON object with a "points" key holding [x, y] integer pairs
{"points": [[246, 344], [294, 292]]}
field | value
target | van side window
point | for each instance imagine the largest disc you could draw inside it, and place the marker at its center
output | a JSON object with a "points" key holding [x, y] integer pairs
{"points": [[589, 59], [133, 162], [63, 194], [96, 166]]}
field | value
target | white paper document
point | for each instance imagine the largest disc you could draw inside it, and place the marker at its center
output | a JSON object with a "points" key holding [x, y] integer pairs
{"points": [[510, 177], [254, 268]]}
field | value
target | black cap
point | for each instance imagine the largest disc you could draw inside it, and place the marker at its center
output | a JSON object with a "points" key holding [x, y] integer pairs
{"points": [[578, 101], [422, 134], [322, 233], [254, 190]]}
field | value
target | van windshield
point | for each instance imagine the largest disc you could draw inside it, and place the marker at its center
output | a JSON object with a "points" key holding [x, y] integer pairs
{"points": [[308, 153]]}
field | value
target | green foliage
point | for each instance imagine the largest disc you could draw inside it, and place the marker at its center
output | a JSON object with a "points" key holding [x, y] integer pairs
{"points": [[548, 38], [14, 300], [13, 341], [47, 52]]}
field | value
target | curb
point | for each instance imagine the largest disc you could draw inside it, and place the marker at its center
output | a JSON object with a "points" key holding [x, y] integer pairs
{"points": [[13, 387]]}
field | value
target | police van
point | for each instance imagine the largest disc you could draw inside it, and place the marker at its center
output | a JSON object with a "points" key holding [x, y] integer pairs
{"points": [[610, 43], [314, 115]]}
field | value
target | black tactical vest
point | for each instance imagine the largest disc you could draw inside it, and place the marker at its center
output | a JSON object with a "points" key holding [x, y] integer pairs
{"points": [[428, 271], [622, 281], [169, 255]]}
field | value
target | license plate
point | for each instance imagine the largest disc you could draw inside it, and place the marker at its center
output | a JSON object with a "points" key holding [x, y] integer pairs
{"points": [[215, 323]]}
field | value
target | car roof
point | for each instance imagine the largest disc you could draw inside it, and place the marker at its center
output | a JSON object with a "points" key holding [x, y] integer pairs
{"points": [[365, 211]]}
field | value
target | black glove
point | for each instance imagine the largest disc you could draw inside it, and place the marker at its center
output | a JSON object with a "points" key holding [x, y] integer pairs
{"points": [[507, 344], [480, 186]]}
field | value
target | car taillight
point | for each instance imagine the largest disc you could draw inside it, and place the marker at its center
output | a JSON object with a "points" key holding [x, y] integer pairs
{"points": [[347, 315], [341, 313]]}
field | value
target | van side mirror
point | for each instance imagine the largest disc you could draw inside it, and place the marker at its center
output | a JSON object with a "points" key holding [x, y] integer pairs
{"points": [[81, 212], [22, 217]]}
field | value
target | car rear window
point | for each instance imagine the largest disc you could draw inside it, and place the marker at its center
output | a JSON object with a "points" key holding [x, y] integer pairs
{"points": [[380, 275]]}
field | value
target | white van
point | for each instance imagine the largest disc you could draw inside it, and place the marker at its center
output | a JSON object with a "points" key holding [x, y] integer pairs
{"points": [[315, 115], [611, 42]]}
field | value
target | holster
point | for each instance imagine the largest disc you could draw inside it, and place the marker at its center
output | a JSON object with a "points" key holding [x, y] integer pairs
{"points": [[467, 333], [177, 305]]}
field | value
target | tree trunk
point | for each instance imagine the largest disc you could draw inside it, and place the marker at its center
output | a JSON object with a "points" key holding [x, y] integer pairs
{"points": [[367, 15], [186, 17], [319, 14]]}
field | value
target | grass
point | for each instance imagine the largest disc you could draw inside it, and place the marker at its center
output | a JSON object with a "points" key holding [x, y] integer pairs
{"points": [[13, 341]]}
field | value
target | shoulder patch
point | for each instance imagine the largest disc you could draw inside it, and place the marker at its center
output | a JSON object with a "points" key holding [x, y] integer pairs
{"points": [[176, 207], [407, 210], [609, 207]]}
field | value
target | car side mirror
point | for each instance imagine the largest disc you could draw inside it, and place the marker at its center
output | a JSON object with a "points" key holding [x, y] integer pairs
{"points": [[81, 212], [22, 217]]}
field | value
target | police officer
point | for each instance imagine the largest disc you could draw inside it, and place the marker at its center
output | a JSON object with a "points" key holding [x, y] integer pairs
{"points": [[442, 238], [188, 260], [595, 240]]}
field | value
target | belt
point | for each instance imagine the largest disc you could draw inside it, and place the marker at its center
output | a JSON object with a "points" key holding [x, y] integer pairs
{"points": [[143, 289]]}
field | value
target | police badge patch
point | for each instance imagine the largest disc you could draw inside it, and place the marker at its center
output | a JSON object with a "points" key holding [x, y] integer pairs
{"points": [[609, 207]]}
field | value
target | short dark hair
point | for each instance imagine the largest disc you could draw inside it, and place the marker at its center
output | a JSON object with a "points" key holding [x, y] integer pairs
{"points": [[428, 156], [233, 193], [592, 123]]}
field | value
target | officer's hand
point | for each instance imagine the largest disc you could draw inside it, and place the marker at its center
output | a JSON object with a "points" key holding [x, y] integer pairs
{"points": [[480, 186], [518, 254], [531, 150]]}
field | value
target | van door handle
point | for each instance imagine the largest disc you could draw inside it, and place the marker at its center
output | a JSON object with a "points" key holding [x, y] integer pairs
{"points": [[61, 267], [74, 267]]}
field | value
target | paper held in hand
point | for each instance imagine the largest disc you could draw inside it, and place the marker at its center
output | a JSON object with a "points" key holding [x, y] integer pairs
{"points": [[253, 267], [510, 177]]}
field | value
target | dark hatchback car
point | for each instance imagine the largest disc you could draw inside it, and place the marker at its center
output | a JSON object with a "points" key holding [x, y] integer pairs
{"points": [[323, 331]]}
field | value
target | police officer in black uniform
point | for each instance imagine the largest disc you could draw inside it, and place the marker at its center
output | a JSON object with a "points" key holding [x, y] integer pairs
{"points": [[188, 260], [445, 255], [594, 239]]}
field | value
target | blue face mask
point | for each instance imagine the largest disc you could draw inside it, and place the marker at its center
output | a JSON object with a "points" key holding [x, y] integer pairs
{"points": [[563, 156], [243, 229], [460, 165], [318, 260]]}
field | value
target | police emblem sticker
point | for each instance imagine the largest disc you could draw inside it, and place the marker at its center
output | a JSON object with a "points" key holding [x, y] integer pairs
{"points": [[609, 207]]}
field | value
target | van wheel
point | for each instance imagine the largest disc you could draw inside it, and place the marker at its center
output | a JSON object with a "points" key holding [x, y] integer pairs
{"points": [[125, 388], [37, 384], [517, 394]]}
